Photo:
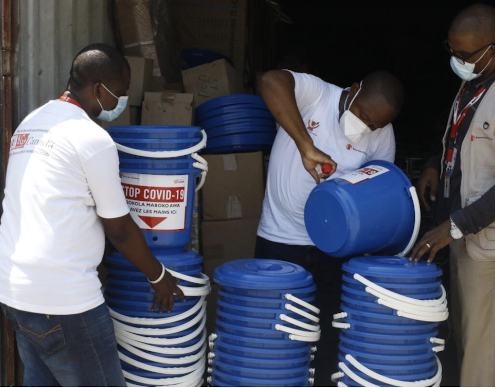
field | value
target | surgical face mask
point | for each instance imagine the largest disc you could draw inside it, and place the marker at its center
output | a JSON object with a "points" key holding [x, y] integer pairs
{"points": [[352, 126], [465, 71], [110, 115]]}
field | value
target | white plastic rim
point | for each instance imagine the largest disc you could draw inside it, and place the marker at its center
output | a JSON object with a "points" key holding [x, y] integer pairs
{"points": [[296, 310], [158, 321], [302, 325], [417, 222], [292, 298], [161, 341], [203, 280], [394, 295], [387, 380], [171, 381], [167, 360], [306, 336], [164, 371], [172, 330], [165, 154], [341, 325], [163, 350]]}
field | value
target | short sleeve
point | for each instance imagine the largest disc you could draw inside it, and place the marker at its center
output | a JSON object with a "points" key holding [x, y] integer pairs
{"points": [[385, 145], [309, 90], [102, 174]]}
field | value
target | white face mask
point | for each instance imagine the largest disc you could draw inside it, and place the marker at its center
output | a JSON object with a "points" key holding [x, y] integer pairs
{"points": [[465, 71], [352, 126], [110, 115]]}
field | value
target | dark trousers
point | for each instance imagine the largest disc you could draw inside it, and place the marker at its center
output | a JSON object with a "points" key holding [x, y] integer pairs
{"points": [[327, 275]]}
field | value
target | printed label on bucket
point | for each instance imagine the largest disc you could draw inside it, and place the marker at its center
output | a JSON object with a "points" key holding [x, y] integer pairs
{"points": [[363, 174], [157, 202]]}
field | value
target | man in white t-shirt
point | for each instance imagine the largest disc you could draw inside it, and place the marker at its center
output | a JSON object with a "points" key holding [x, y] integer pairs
{"points": [[63, 193], [320, 123]]}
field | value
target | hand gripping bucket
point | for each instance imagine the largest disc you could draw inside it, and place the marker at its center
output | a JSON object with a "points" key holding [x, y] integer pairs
{"points": [[159, 166], [373, 210]]}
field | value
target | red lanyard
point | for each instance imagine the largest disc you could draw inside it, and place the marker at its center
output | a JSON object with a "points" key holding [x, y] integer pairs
{"points": [[70, 100], [459, 118]]}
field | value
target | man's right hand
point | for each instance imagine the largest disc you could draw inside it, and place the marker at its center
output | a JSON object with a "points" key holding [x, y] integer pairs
{"points": [[312, 157], [429, 178], [164, 291]]}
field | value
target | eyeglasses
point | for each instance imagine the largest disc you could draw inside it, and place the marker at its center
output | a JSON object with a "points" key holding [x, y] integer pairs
{"points": [[463, 60]]}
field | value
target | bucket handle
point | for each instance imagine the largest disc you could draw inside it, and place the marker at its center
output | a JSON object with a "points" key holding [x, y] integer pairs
{"points": [[417, 222], [165, 154], [200, 163], [434, 381]]}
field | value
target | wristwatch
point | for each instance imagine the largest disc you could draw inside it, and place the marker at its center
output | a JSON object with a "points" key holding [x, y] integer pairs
{"points": [[455, 232]]}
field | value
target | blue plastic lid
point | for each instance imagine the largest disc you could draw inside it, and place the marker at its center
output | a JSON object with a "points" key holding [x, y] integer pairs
{"points": [[234, 118], [246, 109], [237, 149], [173, 259], [242, 139], [198, 57], [262, 274], [154, 131], [391, 266], [232, 99], [238, 129]]}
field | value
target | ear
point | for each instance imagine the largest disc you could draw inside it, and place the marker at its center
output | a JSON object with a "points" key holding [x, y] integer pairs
{"points": [[97, 90], [353, 90]]}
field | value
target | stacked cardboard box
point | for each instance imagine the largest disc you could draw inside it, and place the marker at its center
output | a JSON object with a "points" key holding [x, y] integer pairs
{"points": [[212, 80], [214, 25], [232, 199], [136, 30]]}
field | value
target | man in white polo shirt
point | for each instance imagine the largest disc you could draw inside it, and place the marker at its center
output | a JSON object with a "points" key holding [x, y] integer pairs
{"points": [[320, 123], [63, 193]]}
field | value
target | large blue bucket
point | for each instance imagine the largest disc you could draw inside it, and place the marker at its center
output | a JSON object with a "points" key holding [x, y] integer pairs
{"points": [[373, 210], [159, 190]]}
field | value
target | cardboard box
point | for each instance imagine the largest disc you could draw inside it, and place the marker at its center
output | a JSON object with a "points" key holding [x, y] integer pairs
{"points": [[214, 25], [141, 79], [167, 108], [234, 187], [223, 241], [136, 30], [212, 80], [158, 84]]}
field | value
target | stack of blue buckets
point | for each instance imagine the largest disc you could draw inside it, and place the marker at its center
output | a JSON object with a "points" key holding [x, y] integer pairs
{"points": [[391, 307], [160, 169], [266, 326], [236, 123], [398, 347]]}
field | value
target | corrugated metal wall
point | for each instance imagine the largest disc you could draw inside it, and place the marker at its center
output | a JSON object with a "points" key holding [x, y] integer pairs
{"points": [[51, 33]]}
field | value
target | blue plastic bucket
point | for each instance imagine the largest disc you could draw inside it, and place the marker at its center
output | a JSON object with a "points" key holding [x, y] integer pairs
{"points": [[159, 191], [371, 210]]}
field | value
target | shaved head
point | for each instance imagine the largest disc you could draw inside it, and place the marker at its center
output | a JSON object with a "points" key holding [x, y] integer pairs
{"points": [[97, 63], [385, 85], [477, 20]]}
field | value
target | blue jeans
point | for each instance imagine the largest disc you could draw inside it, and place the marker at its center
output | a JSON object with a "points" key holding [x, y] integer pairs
{"points": [[78, 350], [327, 276]]}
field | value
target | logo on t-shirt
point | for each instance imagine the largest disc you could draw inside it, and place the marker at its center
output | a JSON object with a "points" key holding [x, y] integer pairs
{"points": [[349, 147], [312, 125], [18, 141]]}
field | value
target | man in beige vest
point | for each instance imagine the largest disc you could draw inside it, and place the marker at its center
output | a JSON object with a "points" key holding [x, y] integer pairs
{"points": [[462, 185]]}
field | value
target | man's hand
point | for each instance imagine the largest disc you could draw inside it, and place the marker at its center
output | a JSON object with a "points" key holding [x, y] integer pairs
{"points": [[164, 291], [312, 157], [432, 242], [429, 178]]}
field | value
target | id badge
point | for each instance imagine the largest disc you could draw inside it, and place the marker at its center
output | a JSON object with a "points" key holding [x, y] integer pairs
{"points": [[446, 185]]}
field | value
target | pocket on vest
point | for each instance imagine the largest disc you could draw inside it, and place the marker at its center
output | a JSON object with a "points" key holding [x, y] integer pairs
{"points": [[487, 237]]}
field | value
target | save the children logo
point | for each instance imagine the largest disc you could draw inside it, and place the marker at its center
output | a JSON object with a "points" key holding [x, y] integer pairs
{"points": [[312, 125], [18, 141]]}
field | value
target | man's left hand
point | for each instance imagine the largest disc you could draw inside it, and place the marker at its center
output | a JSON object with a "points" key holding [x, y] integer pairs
{"points": [[432, 242]]}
